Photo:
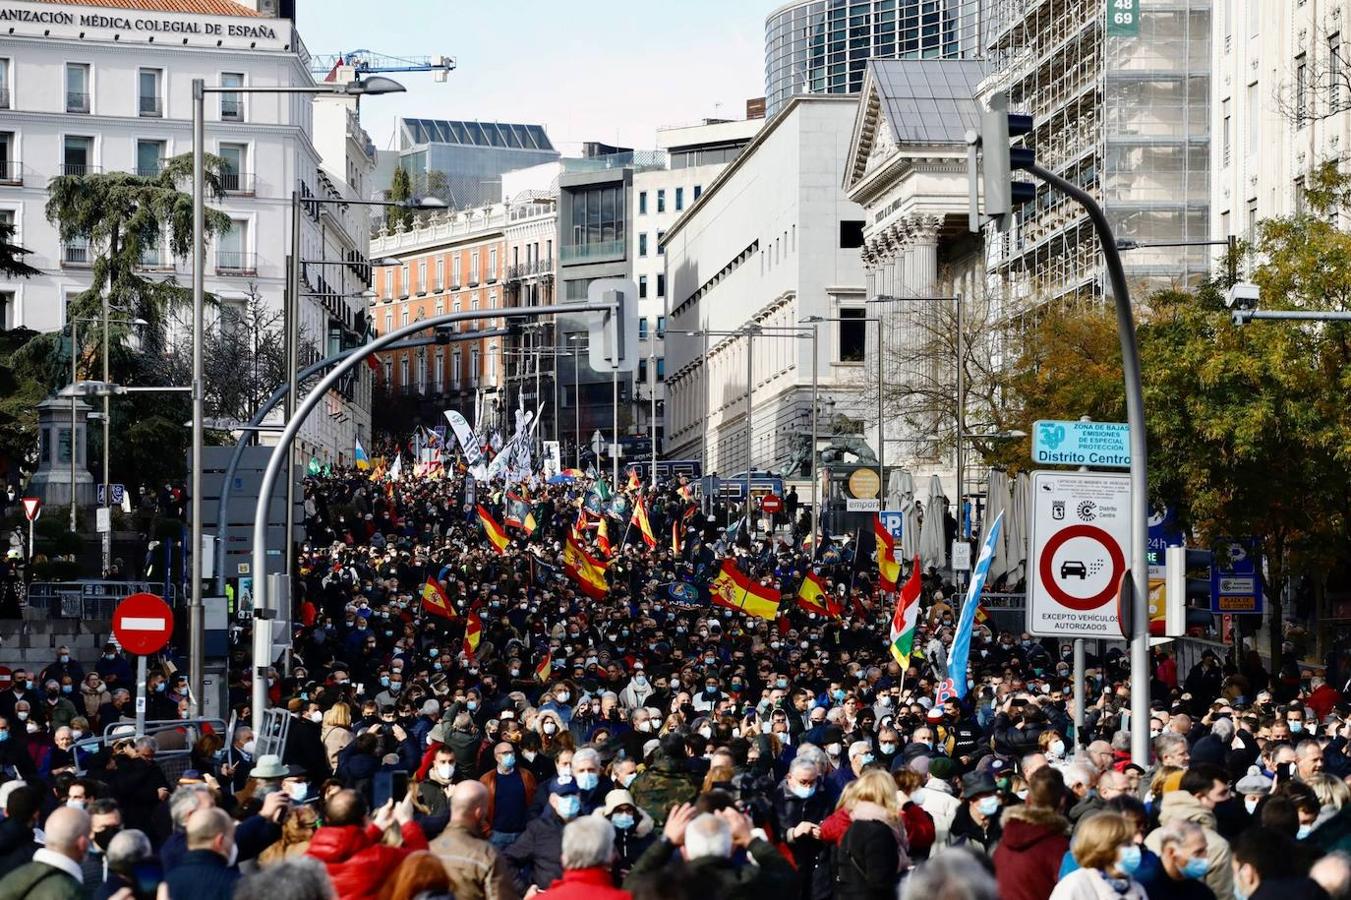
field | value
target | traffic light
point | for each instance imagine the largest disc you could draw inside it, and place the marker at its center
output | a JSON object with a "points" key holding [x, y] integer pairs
{"points": [[1187, 586], [1003, 195]]}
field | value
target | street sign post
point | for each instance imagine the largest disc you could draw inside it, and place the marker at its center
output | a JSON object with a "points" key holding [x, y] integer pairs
{"points": [[1057, 442], [32, 509], [961, 555], [1079, 536], [771, 503], [1236, 580], [142, 624]]}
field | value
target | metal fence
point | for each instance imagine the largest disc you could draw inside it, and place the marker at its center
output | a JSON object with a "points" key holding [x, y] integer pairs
{"points": [[88, 599], [175, 737]]}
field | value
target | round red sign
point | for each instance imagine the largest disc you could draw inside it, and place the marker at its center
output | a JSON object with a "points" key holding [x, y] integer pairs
{"points": [[1115, 559], [143, 624], [771, 503]]}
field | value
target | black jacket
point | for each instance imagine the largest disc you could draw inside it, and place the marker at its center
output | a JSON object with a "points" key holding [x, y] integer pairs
{"points": [[202, 875], [16, 845], [867, 862], [537, 855]]}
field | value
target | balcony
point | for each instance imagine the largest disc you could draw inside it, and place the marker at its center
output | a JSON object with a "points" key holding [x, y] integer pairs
{"points": [[242, 183], [79, 170], [77, 101], [4, 98], [76, 255], [236, 262], [528, 269], [150, 107], [153, 259], [593, 252], [11, 171], [473, 280], [231, 108]]}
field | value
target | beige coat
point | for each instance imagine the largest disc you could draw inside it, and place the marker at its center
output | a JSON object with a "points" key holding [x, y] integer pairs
{"points": [[1182, 805], [335, 738]]}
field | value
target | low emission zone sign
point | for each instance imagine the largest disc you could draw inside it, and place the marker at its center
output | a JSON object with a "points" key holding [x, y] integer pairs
{"points": [[1123, 18], [1057, 442]]}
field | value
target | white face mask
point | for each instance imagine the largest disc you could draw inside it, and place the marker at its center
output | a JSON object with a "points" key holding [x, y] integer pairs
{"points": [[444, 770], [316, 717]]}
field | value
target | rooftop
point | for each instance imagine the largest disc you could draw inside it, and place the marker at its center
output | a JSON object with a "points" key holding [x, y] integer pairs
{"points": [[201, 7], [929, 101], [476, 134]]}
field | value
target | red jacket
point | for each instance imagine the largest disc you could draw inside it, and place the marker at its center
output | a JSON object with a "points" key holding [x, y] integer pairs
{"points": [[1322, 700], [587, 884], [1027, 860], [356, 860]]}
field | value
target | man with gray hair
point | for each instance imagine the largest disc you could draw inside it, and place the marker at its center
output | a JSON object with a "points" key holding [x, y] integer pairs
{"points": [[707, 843], [256, 833], [1182, 852], [955, 875], [124, 852], [298, 878], [588, 848]]}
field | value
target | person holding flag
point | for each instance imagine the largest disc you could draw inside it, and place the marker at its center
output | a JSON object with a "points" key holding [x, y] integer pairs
{"points": [[640, 519], [905, 618], [436, 601], [814, 598], [359, 457]]}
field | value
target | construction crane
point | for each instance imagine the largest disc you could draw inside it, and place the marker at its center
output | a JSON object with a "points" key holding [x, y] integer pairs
{"points": [[370, 62]]}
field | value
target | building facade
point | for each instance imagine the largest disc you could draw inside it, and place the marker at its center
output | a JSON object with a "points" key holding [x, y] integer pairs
{"points": [[772, 241], [462, 163], [823, 46], [105, 86], [448, 262]]}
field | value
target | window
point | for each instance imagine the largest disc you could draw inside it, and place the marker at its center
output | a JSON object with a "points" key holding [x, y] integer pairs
{"points": [[9, 166], [851, 234], [403, 281], [455, 367], [389, 322], [680, 198], [1299, 196], [389, 374], [1254, 17], [473, 268], [642, 370], [473, 366], [4, 83], [1335, 70], [440, 307], [455, 271], [596, 222], [661, 367], [149, 158], [642, 287], [1251, 235], [440, 272], [642, 203], [422, 276], [1226, 134], [853, 335], [148, 100], [642, 244], [77, 87], [661, 251], [232, 105], [661, 201], [661, 284], [661, 326], [440, 379], [403, 317], [403, 371], [642, 328], [492, 264], [1254, 108], [698, 190], [232, 247], [78, 156], [232, 174], [1301, 89]]}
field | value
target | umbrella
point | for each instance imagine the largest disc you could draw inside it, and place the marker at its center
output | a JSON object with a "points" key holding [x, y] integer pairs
{"points": [[997, 500], [903, 493], [1015, 529], [900, 488], [931, 534]]}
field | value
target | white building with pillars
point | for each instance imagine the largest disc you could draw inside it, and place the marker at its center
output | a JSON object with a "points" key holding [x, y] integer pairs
{"points": [[907, 170]]}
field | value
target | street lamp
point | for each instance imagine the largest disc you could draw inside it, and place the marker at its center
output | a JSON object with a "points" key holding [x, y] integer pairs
{"points": [[373, 85], [577, 393]]}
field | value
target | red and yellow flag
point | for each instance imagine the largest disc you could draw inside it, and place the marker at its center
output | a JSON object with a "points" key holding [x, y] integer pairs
{"points": [[603, 537], [496, 536], [734, 590], [640, 519], [675, 539], [812, 596], [634, 484], [544, 669], [589, 573], [473, 634], [888, 570], [436, 601]]}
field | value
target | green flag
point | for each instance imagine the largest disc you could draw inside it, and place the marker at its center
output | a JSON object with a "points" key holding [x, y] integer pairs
{"points": [[313, 467]]}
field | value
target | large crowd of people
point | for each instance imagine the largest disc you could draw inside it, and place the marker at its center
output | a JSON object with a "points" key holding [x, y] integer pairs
{"points": [[471, 715]]}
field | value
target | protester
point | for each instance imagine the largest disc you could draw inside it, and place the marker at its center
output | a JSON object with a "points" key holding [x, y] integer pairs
{"points": [[1104, 846]]}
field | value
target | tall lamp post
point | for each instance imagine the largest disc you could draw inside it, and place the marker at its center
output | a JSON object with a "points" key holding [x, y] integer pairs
{"points": [[372, 85], [577, 393]]}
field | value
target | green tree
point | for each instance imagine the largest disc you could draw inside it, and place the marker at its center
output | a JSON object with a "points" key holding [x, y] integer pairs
{"points": [[11, 255], [401, 190]]}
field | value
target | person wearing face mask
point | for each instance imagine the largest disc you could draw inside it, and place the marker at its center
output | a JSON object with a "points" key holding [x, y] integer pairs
{"points": [[634, 831], [536, 856], [112, 667], [440, 776], [637, 692], [801, 804], [105, 823], [65, 666], [1104, 845], [1267, 866], [1183, 865], [510, 792], [977, 822], [1202, 788], [207, 870]]}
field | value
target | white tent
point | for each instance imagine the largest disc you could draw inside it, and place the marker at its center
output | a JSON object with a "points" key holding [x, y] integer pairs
{"points": [[932, 538]]}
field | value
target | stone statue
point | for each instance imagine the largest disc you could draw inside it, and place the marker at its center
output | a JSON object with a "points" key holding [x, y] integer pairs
{"points": [[799, 460], [851, 444]]}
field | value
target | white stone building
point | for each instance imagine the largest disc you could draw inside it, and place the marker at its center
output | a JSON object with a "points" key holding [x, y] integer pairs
{"points": [[772, 240], [105, 86]]}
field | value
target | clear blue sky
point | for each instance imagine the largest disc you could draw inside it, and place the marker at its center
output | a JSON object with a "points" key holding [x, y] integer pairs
{"points": [[606, 70]]}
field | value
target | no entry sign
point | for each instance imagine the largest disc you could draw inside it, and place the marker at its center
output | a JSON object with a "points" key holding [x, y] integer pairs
{"points": [[1078, 537], [143, 624]]}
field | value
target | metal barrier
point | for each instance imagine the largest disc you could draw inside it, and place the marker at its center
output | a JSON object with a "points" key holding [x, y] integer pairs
{"points": [[176, 738], [88, 599], [276, 727]]}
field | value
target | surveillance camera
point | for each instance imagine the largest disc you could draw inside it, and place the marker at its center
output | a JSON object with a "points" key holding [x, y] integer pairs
{"points": [[1242, 295], [1240, 317]]}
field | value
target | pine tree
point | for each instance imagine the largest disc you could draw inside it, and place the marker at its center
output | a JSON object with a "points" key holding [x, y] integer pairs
{"points": [[401, 190], [11, 255]]}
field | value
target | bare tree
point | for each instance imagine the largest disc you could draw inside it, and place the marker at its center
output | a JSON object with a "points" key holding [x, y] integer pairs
{"points": [[1319, 83]]}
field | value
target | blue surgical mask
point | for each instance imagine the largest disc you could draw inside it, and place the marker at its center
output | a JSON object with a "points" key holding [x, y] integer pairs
{"points": [[508, 762], [837, 695], [629, 778], [569, 807], [866, 758], [4, 736], [587, 781], [384, 680], [1129, 860], [803, 791], [1296, 727], [888, 748], [1304, 831], [988, 806], [622, 821], [1196, 867]]}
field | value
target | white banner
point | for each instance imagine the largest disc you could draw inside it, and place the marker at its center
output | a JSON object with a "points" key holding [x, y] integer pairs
{"points": [[553, 459], [473, 455]]}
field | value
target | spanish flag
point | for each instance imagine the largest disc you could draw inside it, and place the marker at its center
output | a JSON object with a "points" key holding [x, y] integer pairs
{"points": [[495, 534], [640, 519], [675, 539], [436, 601], [812, 596], [634, 484], [473, 634], [603, 537], [544, 669], [888, 570], [589, 573], [734, 590], [530, 523]]}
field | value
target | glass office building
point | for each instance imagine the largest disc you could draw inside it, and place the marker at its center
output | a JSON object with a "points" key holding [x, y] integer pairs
{"points": [[823, 46]]}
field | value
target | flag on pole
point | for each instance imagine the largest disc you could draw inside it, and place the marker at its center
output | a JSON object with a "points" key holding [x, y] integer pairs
{"points": [[396, 470], [589, 573], [603, 537], [904, 619], [640, 519], [496, 536], [473, 634], [634, 484], [544, 669], [958, 653], [734, 590], [888, 570], [363, 462], [530, 523], [313, 468], [675, 539], [436, 601], [813, 597]]}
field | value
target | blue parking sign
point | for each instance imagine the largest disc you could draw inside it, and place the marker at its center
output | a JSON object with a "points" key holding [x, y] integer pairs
{"points": [[1236, 579]]}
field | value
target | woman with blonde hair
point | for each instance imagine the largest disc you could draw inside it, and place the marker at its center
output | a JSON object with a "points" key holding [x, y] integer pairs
{"points": [[1108, 856], [336, 731], [867, 842]]}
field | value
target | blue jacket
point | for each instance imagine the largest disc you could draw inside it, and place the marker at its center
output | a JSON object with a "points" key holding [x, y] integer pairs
{"points": [[252, 836], [202, 875]]}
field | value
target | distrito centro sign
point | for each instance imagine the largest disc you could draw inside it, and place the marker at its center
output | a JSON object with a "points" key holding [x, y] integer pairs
{"points": [[1078, 538], [143, 624]]}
